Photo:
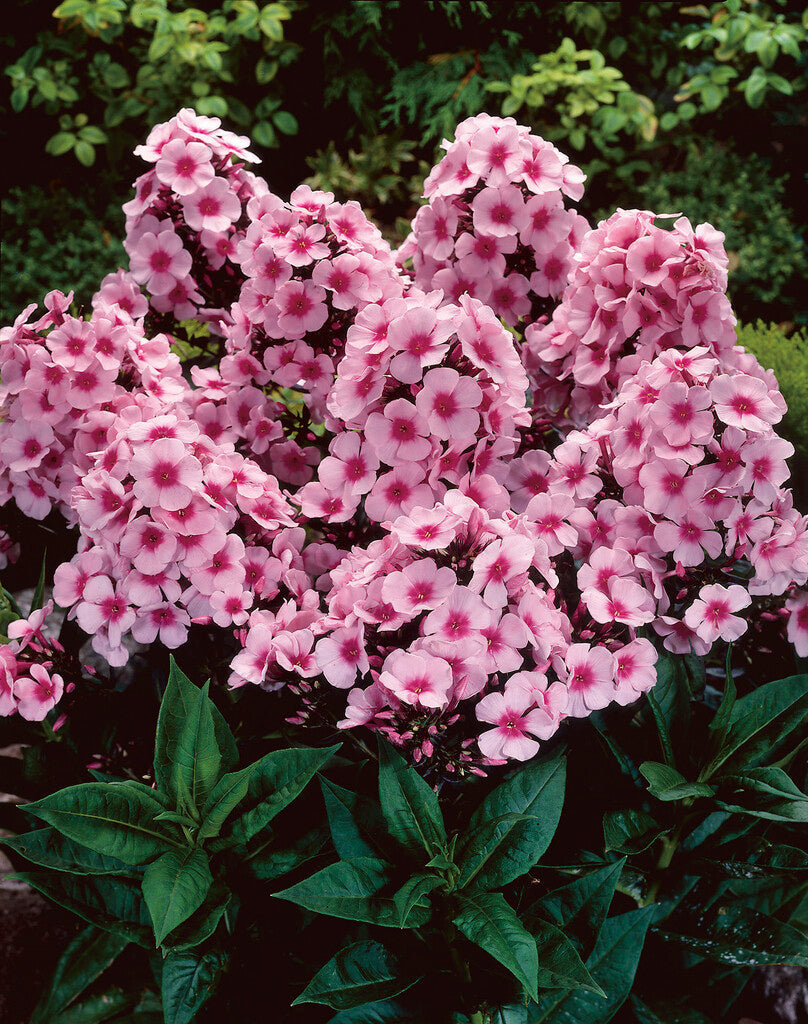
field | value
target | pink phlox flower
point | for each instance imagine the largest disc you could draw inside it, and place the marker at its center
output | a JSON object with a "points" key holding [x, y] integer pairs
{"points": [[293, 652], [635, 672], [165, 474], [647, 259], [420, 339], [150, 546], [448, 403], [25, 630], [105, 606], [462, 614], [213, 207], [37, 693], [399, 433], [498, 564], [517, 721], [418, 679], [303, 245], [499, 211], [429, 529], [184, 166], [418, 587], [164, 620], [589, 673], [504, 642], [743, 401], [689, 537], [349, 464], [301, 308], [548, 514], [231, 608], [397, 492], [363, 706], [710, 616], [497, 152], [621, 600], [159, 261], [797, 630], [341, 655], [26, 445]]}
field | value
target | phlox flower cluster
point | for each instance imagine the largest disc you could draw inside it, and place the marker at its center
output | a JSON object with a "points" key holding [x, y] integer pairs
{"points": [[692, 452], [187, 215], [495, 226], [174, 528], [385, 503], [636, 290], [32, 667], [65, 381]]}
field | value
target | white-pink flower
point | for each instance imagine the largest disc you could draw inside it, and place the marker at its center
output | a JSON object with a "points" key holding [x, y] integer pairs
{"points": [[710, 616], [419, 679]]}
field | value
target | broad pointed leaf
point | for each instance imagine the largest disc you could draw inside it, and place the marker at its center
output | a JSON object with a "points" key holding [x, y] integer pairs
{"points": [[204, 921], [279, 777], [630, 831], [274, 861], [764, 793], [738, 935], [409, 805], [486, 919], [174, 886], [383, 1011], [666, 783], [356, 823], [612, 963], [227, 794], [362, 973], [48, 848], [114, 904], [536, 790], [189, 980], [580, 907], [348, 889], [481, 843], [412, 893], [84, 960], [560, 965], [114, 820]]}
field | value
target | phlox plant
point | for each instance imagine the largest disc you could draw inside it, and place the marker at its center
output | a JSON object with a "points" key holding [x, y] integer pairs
{"points": [[505, 489]]}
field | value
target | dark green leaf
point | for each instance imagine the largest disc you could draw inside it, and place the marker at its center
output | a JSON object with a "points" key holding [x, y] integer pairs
{"points": [[204, 921], [489, 922], [114, 820], [409, 805], [115, 904], [668, 1012], [39, 594], [50, 849], [385, 1011], [348, 889], [764, 793], [85, 959], [630, 831], [481, 842], [666, 783], [227, 794], [580, 907], [275, 861], [98, 1008], [737, 935], [174, 886], [670, 701], [412, 892], [279, 778], [537, 790], [560, 965], [612, 963], [285, 122], [362, 973], [189, 980], [356, 823], [760, 724], [186, 743]]}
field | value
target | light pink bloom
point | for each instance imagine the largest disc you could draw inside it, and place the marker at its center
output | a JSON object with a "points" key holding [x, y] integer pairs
{"points": [[37, 693], [150, 546], [590, 673], [341, 655], [448, 402], [184, 166], [497, 564], [166, 475], [499, 211], [635, 673], [517, 720], [798, 622], [418, 587], [462, 614], [103, 606], [160, 261], [419, 679], [710, 616], [622, 600], [165, 620], [689, 537], [743, 401]]}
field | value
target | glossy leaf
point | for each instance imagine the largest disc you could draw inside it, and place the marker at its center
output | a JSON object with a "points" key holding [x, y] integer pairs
{"points": [[413, 892], [630, 831], [481, 843], [384, 1011], [536, 790], [174, 886], [409, 805], [227, 794], [356, 823], [560, 965], [764, 793], [114, 820], [612, 964], [666, 783], [114, 904], [84, 960], [348, 889], [48, 848], [738, 935], [362, 973], [486, 919], [189, 980], [279, 777], [580, 907]]}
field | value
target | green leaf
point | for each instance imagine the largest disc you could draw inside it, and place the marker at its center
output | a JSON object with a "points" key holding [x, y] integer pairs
{"points": [[580, 907], [285, 122], [98, 1008], [720, 724], [384, 1011], [412, 891], [85, 153], [348, 889], [668, 1012], [19, 100], [669, 702], [764, 793], [114, 904], [50, 849], [39, 594], [279, 777], [359, 974], [630, 831], [189, 980], [560, 965], [537, 790], [186, 743], [227, 794], [274, 861], [85, 959], [612, 964], [92, 134], [480, 843], [61, 142], [409, 805], [490, 923], [113, 820], [356, 823], [174, 886], [666, 783], [760, 724], [204, 921], [737, 935]]}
